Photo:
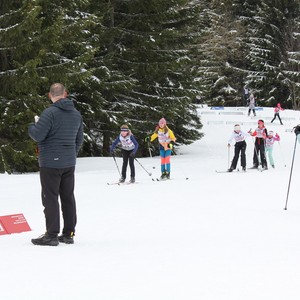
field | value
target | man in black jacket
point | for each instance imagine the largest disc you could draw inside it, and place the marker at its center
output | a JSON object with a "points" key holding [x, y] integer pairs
{"points": [[59, 133]]}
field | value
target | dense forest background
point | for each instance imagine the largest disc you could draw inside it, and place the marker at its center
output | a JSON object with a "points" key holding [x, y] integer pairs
{"points": [[135, 61]]}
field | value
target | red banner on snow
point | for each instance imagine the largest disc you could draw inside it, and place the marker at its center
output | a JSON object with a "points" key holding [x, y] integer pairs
{"points": [[13, 224]]}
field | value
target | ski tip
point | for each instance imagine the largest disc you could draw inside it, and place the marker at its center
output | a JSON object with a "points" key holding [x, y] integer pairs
{"points": [[221, 171], [113, 183]]}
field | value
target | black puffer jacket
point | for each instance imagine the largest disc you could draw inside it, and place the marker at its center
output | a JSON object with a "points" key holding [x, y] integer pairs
{"points": [[59, 133]]}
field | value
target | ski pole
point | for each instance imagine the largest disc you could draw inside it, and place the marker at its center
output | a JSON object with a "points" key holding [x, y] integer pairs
{"points": [[256, 152], [149, 149], [150, 152], [150, 174], [228, 158], [182, 170], [288, 191], [296, 129], [186, 178], [147, 140], [116, 164]]}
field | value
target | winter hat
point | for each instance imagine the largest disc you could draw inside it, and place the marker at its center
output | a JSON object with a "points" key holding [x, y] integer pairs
{"points": [[237, 127], [162, 122], [271, 133], [278, 105], [124, 128]]}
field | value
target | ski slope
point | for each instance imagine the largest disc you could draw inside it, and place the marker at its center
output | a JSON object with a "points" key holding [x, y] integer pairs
{"points": [[210, 237]]}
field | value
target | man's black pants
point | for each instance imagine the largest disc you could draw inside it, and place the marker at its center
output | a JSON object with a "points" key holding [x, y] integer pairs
{"points": [[58, 183]]}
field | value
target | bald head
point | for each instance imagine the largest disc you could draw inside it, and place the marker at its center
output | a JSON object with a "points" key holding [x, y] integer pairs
{"points": [[57, 91]]}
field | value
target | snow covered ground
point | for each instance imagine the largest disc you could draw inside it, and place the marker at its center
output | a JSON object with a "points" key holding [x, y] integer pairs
{"points": [[211, 236]]}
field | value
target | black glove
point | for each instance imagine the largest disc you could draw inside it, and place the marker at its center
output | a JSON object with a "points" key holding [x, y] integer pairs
{"points": [[147, 139], [297, 129], [132, 154]]}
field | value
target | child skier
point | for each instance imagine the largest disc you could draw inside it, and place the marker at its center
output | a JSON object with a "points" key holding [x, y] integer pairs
{"points": [[166, 139], [269, 146], [239, 147], [260, 134], [251, 105], [277, 109], [129, 146]]}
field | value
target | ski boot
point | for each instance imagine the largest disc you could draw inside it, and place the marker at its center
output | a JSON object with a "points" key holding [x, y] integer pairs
{"points": [[163, 176], [254, 167]]}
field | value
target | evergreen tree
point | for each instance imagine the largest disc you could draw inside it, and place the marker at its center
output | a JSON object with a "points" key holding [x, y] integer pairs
{"points": [[124, 62], [142, 69], [221, 52], [291, 65], [270, 31], [41, 43], [100, 92]]}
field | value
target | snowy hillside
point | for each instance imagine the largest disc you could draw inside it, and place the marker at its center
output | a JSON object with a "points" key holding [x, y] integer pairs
{"points": [[210, 237]]}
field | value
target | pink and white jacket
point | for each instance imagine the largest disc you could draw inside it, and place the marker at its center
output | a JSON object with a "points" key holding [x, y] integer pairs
{"points": [[270, 141], [277, 109]]}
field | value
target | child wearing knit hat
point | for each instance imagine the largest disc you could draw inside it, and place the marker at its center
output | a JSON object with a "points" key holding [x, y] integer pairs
{"points": [[251, 105], [270, 140], [166, 139], [277, 110], [260, 135], [239, 147], [129, 147]]}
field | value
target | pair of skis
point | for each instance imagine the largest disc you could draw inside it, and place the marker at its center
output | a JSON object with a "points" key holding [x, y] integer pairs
{"points": [[160, 179], [239, 171], [120, 183], [128, 182]]}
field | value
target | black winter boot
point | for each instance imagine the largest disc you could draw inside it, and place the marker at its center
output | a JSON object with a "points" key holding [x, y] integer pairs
{"points": [[66, 238], [45, 240]]}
